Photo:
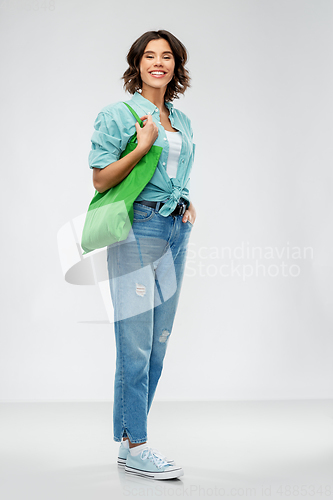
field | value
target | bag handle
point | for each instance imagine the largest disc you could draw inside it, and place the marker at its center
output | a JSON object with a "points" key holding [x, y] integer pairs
{"points": [[133, 139], [134, 113]]}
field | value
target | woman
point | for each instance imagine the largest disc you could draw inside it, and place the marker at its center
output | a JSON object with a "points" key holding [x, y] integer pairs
{"points": [[146, 270]]}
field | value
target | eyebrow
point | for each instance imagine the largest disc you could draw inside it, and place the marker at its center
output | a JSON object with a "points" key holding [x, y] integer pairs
{"points": [[165, 52]]}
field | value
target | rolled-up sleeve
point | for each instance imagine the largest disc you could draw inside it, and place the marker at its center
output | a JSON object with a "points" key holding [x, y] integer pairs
{"points": [[106, 141]]}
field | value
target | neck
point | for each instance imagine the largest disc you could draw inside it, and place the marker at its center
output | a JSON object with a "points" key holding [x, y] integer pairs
{"points": [[156, 96]]}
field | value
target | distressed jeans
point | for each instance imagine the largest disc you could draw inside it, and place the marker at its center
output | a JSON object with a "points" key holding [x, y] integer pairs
{"points": [[145, 275]]}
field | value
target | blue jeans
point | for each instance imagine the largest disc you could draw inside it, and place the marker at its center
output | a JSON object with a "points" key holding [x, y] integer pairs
{"points": [[145, 275]]}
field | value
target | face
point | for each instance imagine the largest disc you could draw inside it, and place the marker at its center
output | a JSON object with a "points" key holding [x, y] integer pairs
{"points": [[157, 64]]}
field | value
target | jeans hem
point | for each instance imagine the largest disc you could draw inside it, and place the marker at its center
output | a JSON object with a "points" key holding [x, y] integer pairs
{"points": [[135, 441], [127, 434]]}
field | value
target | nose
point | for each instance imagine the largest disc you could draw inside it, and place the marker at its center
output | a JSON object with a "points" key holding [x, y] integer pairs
{"points": [[158, 61]]}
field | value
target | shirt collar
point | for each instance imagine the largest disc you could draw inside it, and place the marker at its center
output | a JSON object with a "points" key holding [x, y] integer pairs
{"points": [[147, 105]]}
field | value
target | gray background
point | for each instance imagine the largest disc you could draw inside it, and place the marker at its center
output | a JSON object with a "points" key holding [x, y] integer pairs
{"points": [[261, 110]]}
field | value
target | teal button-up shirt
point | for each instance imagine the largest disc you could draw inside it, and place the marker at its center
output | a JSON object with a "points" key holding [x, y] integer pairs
{"points": [[114, 127]]}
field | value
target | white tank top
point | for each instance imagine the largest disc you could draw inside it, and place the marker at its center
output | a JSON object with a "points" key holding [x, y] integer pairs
{"points": [[175, 146]]}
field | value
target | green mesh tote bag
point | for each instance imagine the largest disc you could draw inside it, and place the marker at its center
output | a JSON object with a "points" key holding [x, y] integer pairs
{"points": [[110, 214]]}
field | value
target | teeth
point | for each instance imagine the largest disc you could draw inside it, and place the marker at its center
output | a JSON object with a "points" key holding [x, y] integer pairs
{"points": [[157, 73]]}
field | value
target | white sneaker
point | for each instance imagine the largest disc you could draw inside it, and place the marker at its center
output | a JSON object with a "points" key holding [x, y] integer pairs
{"points": [[149, 463]]}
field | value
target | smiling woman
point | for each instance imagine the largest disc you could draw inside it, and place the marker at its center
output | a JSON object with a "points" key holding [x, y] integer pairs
{"points": [[173, 52], [146, 270], [157, 63]]}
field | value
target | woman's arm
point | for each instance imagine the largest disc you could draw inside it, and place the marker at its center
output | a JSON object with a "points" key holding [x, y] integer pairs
{"points": [[109, 176]]}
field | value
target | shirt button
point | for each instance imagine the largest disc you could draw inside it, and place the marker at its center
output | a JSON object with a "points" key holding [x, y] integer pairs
{"points": [[183, 160], [159, 123], [165, 138], [164, 163], [156, 109]]}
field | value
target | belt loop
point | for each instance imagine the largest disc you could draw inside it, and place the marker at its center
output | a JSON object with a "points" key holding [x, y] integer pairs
{"points": [[157, 205]]}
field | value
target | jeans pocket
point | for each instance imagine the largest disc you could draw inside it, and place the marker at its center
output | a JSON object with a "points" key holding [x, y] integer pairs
{"points": [[142, 213]]}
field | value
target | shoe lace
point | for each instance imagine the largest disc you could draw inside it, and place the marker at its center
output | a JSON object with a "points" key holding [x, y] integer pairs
{"points": [[157, 453], [155, 456]]}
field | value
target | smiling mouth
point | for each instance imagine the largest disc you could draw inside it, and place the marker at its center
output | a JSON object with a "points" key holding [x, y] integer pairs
{"points": [[157, 73]]}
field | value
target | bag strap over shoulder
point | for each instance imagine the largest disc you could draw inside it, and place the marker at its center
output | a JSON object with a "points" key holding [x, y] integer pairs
{"points": [[135, 115]]}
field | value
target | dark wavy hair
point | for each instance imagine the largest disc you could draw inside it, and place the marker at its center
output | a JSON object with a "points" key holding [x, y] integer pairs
{"points": [[181, 79]]}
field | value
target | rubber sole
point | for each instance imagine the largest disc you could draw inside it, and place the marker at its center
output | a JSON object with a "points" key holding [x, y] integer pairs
{"points": [[155, 475]]}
